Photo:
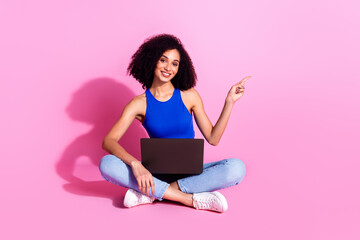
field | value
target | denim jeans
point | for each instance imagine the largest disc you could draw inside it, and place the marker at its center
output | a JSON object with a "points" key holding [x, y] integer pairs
{"points": [[215, 175]]}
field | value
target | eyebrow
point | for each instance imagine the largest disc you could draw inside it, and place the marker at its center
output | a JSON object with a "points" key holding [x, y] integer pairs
{"points": [[168, 58]]}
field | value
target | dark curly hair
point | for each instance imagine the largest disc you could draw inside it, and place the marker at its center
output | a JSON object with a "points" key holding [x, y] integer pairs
{"points": [[145, 59]]}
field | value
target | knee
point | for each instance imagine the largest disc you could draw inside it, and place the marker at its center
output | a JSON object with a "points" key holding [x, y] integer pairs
{"points": [[106, 164], [114, 170], [236, 170]]}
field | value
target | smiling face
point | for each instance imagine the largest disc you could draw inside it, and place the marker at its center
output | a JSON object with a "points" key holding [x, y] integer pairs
{"points": [[167, 66]]}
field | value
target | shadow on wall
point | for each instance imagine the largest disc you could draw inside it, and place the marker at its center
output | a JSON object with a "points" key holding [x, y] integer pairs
{"points": [[99, 103]]}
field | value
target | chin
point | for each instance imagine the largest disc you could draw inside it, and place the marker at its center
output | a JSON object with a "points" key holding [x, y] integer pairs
{"points": [[165, 80]]}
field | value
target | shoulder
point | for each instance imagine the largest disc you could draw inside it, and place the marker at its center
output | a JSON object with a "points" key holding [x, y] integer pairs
{"points": [[191, 99], [191, 95], [139, 99], [137, 104]]}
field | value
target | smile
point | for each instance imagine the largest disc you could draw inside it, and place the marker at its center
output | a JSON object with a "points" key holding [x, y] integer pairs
{"points": [[165, 74]]}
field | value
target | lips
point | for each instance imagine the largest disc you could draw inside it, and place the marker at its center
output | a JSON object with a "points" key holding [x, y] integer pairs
{"points": [[165, 74]]}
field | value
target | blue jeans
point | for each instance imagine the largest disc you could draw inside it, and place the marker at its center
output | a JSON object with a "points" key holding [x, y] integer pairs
{"points": [[215, 175]]}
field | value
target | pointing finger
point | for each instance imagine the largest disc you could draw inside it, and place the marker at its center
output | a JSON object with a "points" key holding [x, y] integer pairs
{"points": [[243, 80]]}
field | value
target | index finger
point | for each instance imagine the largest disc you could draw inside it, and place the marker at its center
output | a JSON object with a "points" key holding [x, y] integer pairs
{"points": [[243, 80]]}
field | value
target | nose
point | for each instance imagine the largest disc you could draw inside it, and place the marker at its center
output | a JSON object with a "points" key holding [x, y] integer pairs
{"points": [[167, 66]]}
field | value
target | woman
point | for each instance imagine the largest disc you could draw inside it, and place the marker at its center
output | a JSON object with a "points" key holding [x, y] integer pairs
{"points": [[165, 70]]}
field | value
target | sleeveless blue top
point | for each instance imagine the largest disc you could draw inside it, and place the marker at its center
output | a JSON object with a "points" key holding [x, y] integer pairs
{"points": [[170, 119]]}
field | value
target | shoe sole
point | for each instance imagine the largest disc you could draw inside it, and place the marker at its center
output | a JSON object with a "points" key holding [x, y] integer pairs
{"points": [[222, 199]]}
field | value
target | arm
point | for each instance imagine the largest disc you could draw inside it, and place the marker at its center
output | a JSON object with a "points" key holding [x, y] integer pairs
{"points": [[111, 145], [212, 133]]}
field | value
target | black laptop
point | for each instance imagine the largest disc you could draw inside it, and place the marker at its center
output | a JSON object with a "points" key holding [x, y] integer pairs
{"points": [[170, 159]]}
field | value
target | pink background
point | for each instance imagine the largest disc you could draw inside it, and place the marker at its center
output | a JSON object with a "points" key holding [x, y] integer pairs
{"points": [[63, 84]]}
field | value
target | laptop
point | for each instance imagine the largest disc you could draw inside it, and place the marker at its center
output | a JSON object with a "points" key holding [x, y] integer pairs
{"points": [[172, 158]]}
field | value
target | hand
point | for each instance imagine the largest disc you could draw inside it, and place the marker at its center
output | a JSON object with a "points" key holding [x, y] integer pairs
{"points": [[144, 178], [237, 91]]}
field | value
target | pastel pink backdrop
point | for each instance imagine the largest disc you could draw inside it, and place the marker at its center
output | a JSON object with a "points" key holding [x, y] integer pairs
{"points": [[64, 83]]}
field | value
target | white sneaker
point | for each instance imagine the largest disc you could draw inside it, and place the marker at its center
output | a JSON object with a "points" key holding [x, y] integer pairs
{"points": [[213, 201], [134, 198]]}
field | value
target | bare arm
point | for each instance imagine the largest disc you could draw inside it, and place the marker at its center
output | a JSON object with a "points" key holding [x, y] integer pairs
{"points": [[111, 144], [213, 133]]}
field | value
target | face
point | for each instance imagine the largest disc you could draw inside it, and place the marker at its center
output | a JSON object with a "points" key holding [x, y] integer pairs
{"points": [[167, 66]]}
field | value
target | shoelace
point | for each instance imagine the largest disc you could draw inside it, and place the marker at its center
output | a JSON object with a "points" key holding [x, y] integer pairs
{"points": [[207, 203], [143, 198]]}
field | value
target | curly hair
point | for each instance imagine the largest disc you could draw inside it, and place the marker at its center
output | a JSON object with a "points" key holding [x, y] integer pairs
{"points": [[145, 59]]}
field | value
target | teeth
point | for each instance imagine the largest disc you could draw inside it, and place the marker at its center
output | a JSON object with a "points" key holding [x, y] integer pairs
{"points": [[166, 74]]}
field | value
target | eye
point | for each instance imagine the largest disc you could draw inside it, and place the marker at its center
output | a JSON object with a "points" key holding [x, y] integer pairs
{"points": [[175, 64], [162, 60]]}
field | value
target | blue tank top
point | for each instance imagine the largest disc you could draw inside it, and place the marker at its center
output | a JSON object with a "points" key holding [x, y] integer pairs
{"points": [[170, 119]]}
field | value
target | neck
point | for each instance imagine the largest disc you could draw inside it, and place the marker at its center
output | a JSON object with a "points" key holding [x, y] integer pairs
{"points": [[161, 89]]}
